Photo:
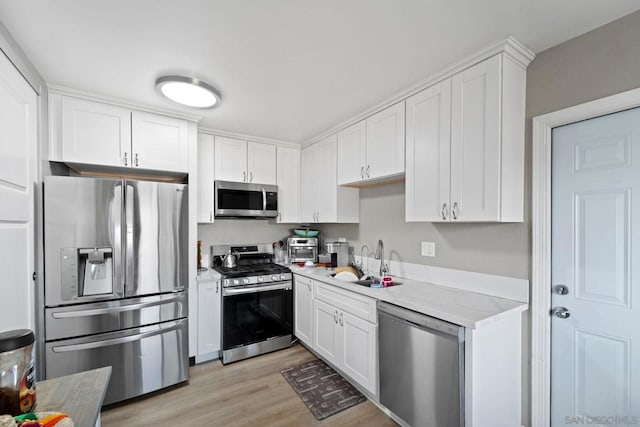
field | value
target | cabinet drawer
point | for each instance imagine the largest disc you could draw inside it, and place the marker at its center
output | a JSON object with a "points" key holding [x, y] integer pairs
{"points": [[355, 304]]}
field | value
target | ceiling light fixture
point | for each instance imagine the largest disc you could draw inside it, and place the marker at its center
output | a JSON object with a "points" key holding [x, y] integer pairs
{"points": [[189, 91]]}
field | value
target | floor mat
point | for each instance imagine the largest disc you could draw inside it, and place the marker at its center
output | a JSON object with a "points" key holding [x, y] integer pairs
{"points": [[322, 389]]}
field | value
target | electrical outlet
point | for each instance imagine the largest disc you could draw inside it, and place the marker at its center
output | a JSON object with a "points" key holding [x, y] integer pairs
{"points": [[429, 249]]}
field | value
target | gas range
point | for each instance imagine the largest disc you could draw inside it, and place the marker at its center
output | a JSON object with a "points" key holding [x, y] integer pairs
{"points": [[257, 303]]}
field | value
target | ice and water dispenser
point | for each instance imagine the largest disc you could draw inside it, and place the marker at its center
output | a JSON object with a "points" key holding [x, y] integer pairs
{"points": [[86, 272]]}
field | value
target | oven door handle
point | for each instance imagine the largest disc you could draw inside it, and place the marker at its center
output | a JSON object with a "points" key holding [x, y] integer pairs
{"points": [[264, 199], [253, 289]]}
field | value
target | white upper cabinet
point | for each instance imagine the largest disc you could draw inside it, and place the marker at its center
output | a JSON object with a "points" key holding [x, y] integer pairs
{"points": [[468, 165], [373, 149], [352, 153], [230, 159], [428, 161], [321, 199], [243, 161], [309, 183], [385, 143], [95, 133], [288, 179], [261, 163], [159, 142], [205, 178]]}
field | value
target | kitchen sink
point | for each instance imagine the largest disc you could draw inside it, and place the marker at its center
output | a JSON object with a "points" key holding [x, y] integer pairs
{"points": [[369, 282]]}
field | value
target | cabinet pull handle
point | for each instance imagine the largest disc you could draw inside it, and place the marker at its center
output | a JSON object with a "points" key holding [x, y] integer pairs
{"points": [[444, 211], [126, 160], [335, 317], [136, 159], [309, 286], [210, 216], [341, 320], [362, 172], [454, 211], [279, 217], [250, 176], [244, 177], [217, 285], [368, 170]]}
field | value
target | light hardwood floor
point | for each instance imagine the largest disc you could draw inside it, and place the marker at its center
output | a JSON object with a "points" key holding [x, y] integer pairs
{"points": [[251, 392]]}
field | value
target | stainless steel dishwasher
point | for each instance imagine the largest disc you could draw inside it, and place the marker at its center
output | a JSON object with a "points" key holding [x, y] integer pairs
{"points": [[421, 367]]}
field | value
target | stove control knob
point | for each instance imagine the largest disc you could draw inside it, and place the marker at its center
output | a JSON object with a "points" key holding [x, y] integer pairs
{"points": [[236, 282], [274, 277], [283, 277], [260, 279], [245, 281]]}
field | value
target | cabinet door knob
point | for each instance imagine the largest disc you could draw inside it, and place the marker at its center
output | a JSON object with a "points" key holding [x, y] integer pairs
{"points": [[136, 159], [454, 210], [444, 212], [126, 160]]}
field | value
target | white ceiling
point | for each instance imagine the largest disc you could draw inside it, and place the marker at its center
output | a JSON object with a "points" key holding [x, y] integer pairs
{"points": [[287, 69]]}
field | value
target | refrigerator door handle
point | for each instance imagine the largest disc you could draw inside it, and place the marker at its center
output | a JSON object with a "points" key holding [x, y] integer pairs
{"points": [[129, 236], [116, 223], [120, 340], [113, 310]]}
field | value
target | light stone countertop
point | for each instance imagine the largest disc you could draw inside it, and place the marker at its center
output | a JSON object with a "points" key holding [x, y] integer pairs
{"points": [[465, 308]]}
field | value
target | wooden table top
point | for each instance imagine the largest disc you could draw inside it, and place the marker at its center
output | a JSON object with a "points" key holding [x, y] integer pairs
{"points": [[79, 395]]}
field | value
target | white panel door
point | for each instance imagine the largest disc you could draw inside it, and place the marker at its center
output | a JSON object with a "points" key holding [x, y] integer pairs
{"points": [[327, 196], [261, 163], [595, 360], [159, 142], [327, 334], [309, 183], [288, 180], [205, 177], [209, 304], [95, 133], [303, 309], [352, 146], [230, 159], [359, 350], [428, 154], [385, 142], [475, 142], [18, 163]]}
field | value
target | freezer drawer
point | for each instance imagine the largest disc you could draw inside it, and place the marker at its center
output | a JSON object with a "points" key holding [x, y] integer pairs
{"points": [[143, 359], [95, 318]]}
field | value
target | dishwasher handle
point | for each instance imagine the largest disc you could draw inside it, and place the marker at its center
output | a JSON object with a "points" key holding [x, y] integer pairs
{"points": [[421, 321]]}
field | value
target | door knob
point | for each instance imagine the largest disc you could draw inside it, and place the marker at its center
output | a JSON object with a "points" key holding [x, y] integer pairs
{"points": [[561, 289], [561, 312]]}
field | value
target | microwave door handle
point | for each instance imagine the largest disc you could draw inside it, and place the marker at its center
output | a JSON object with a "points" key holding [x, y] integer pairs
{"points": [[264, 200]]}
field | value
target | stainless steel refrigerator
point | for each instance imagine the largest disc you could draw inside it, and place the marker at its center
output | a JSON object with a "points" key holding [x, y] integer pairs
{"points": [[116, 281]]}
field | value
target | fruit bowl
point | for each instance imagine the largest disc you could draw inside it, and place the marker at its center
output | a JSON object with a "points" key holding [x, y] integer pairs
{"points": [[306, 232]]}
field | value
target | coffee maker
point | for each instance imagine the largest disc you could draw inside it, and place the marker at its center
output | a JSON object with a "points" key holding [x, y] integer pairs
{"points": [[339, 252]]}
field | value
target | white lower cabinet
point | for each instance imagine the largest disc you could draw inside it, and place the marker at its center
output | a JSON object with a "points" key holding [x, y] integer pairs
{"points": [[209, 318], [303, 309], [343, 337]]}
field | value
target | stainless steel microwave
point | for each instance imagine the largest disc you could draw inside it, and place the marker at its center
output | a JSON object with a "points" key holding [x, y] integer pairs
{"points": [[240, 199]]}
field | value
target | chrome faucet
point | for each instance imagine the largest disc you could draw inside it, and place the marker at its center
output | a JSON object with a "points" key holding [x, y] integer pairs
{"points": [[384, 268]]}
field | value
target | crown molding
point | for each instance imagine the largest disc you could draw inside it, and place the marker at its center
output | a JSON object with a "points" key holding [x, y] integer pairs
{"points": [[77, 93], [509, 46], [252, 138]]}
